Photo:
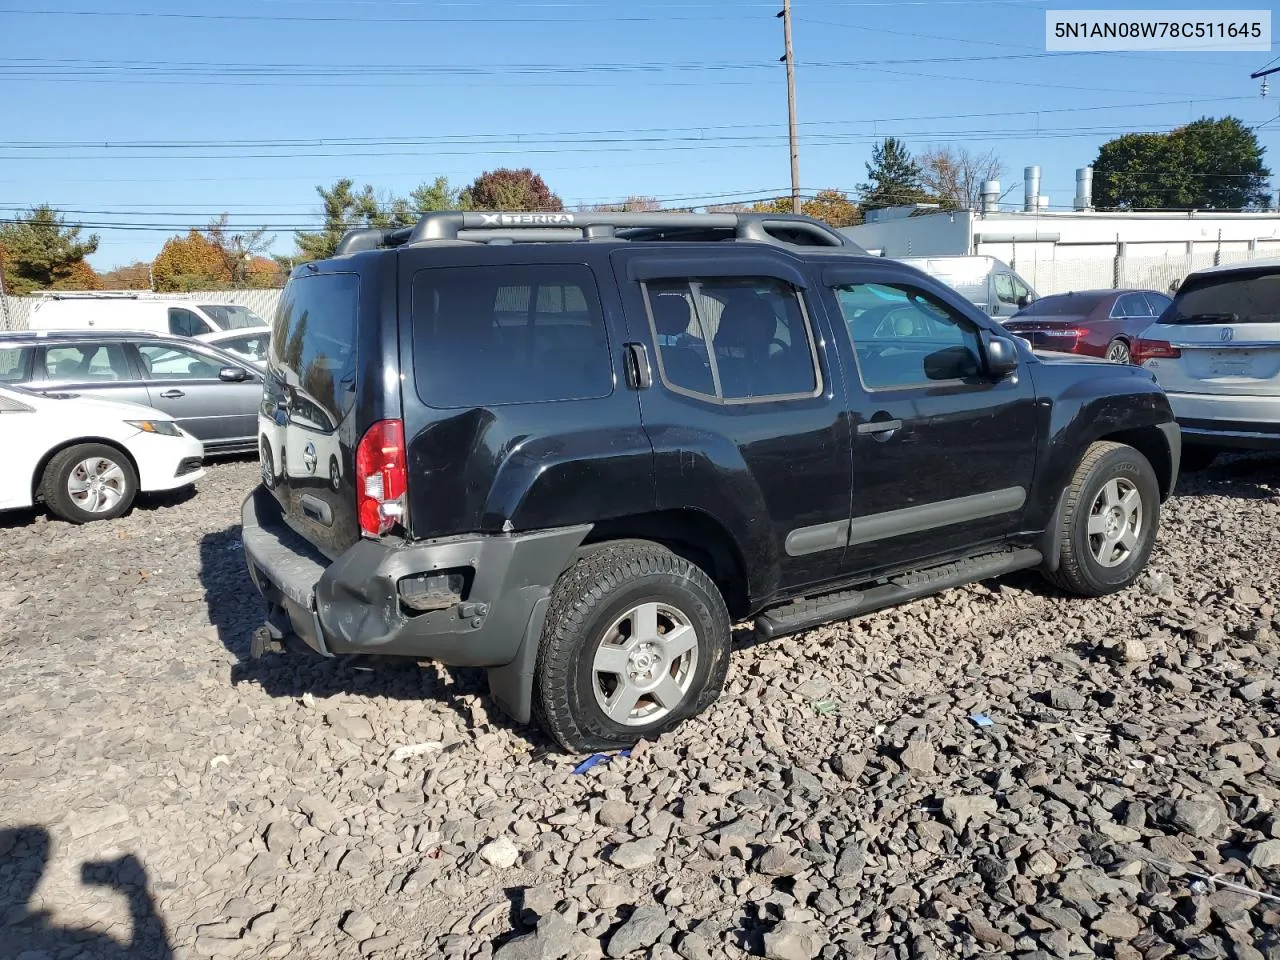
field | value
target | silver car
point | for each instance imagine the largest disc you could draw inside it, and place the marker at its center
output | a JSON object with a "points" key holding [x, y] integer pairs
{"points": [[212, 394]]}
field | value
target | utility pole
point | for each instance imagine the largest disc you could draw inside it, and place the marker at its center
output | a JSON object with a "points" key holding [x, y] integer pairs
{"points": [[789, 59]]}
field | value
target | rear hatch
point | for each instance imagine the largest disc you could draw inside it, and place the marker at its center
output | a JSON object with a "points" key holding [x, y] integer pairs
{"points": [[1220, 336], [308, 418]]}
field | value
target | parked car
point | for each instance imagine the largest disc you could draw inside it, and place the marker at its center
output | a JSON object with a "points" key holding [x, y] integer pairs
{"points": [[1093, 323], [85, 458], [576, 464], [991, 284], [249, 345], [116, 310], [1216, 352], [213, 395]]}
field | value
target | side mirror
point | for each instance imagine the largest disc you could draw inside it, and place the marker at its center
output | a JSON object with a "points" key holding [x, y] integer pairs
{"points": [[233, 374], [1002, 357], [1024, 301]]}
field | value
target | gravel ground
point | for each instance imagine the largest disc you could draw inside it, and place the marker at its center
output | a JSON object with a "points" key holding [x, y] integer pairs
{"points": [[161, 795]]}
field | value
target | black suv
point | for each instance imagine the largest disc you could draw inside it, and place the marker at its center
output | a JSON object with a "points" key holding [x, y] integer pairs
{"points": [[575, 448]]}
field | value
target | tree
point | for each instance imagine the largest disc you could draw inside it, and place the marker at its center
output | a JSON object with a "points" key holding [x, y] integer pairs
{"points": [[345, 209], [506, 189], [832, 207], [633, 204], [955, 176], [436, 195], [136, 276], [238, 250], [894, 177], [39, 251], [1207, 165], [193, 262]]}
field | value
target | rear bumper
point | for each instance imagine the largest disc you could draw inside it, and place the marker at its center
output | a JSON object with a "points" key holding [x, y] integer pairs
{"points": [[352, 605], [1239, 422]]}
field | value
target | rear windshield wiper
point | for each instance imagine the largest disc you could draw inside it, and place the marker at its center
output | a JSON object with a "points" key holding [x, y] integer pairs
{"points": [[1208, 318]]}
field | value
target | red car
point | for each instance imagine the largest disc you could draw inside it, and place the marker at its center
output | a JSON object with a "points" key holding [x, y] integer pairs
{"points": [[1096, 323]]}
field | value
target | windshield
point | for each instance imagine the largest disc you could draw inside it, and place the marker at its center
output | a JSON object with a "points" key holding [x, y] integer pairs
{"points": [[231, 317], [1063, 305], [1237, 298]]}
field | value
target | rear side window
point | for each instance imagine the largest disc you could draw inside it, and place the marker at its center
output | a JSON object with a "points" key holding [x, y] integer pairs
{"points": [[87, 362], [485, 336], [15, 364], [184, 323], [314, 335], [732, 338]]}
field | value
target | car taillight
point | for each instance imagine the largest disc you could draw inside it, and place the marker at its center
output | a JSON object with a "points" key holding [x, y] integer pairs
{"points": [[1144, 350], [1075, 333], [381, 478]]}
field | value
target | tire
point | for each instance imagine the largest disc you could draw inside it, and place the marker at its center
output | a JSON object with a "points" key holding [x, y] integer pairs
{"points": [[609, 595], [267, 464], [1118, 351], [1196, 458], [1093, 564], [335, 474], [88, 481]]}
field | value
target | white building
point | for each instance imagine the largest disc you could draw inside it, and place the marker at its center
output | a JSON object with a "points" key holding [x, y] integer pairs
{"points": [[1074, 249]]}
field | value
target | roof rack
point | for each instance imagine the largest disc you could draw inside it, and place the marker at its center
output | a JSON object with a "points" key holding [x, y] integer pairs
{"points": [[517, 227]]}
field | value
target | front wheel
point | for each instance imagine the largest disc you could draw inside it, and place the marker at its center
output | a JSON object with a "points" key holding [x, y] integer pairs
{"points": [[636, 641], [1109, 523], [89, 481]]}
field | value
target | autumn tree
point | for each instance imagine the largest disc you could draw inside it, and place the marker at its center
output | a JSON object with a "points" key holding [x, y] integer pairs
{"points": [[506, 189], [894, 177], [40, 251], [633, 204], [193, 262], [1206, 165], [135, 276], [832, 207], [954, 176], [238, 249]]}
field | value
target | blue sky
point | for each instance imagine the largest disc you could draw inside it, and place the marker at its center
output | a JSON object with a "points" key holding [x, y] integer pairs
{"points": [[682, 101]]}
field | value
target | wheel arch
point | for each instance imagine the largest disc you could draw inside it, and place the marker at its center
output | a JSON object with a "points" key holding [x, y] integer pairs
{"points": [[43, 463], [1151, 442]]}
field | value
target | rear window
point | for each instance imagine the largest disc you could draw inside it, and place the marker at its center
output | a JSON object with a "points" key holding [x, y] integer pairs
{"points": [[15, 364], [486, 336], [312, 344], [1063, 305], [230, 317], [1238, 298]]}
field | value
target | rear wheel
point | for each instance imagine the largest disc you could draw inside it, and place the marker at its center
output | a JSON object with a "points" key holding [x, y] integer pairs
{"points": [[268, 466], [636, 641], [89, 481], [1118, 351], [1109, 524]]}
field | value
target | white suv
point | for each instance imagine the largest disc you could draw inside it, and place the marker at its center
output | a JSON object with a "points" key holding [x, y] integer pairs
{"points": [[1216, 352]]}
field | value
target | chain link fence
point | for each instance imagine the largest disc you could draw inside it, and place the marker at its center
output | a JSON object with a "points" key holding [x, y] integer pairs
{"points": [[15, 312]]}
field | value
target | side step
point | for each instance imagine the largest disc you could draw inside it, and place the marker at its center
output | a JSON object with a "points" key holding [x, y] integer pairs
{"points": [[813, 612]]}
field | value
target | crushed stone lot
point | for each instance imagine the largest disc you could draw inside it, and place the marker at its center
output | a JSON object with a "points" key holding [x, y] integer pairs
{"points": [[161, 795]]}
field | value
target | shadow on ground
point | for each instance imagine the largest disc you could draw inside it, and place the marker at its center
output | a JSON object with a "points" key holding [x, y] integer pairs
{"points": [[25, 930]]}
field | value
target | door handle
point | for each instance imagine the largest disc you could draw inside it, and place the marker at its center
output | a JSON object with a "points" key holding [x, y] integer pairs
{"points": [[172, 394], [639, 373], [880, 426]]}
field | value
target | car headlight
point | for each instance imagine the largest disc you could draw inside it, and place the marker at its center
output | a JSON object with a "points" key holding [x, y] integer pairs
{"points": [[166, 428]]}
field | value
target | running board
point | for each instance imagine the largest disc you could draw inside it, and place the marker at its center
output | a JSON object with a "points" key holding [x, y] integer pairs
{"points": [[813, 612]]}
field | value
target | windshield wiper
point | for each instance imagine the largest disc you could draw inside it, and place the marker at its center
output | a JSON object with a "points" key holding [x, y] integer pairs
{"points": [[1209, 318]]}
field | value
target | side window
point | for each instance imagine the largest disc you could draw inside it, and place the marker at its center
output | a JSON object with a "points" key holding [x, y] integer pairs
{"points": [[313, 337], [15, 364], [1157, 303], [86, 362], [163, 361], [732, 338], [1004, 289], [184, 323], [1021, 290], [1136, 306], [486, 336], [253, 349], [903, 337]]}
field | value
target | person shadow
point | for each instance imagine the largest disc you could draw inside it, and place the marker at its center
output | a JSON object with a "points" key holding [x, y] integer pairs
{"points": [[26, 931]]}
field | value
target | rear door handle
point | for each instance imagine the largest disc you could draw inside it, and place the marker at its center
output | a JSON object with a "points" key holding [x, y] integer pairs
{"points": [[172, 394], [880, 426], [639, 373]]}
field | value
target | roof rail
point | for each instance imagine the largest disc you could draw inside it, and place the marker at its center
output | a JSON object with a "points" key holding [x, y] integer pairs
{"points": [[518, 227]]}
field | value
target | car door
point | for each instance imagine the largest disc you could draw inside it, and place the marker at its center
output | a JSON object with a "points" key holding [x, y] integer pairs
{"points": [[183, 381], [94, 368], [943, 454], [744, 394]]}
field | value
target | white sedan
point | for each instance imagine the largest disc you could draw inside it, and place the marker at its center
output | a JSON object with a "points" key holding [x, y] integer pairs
{"points": [[86, 458]]}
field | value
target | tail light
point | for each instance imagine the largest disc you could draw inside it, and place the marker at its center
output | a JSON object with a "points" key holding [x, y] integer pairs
{"points": [[1074, 333], [381, 478], [1144, 350]]}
